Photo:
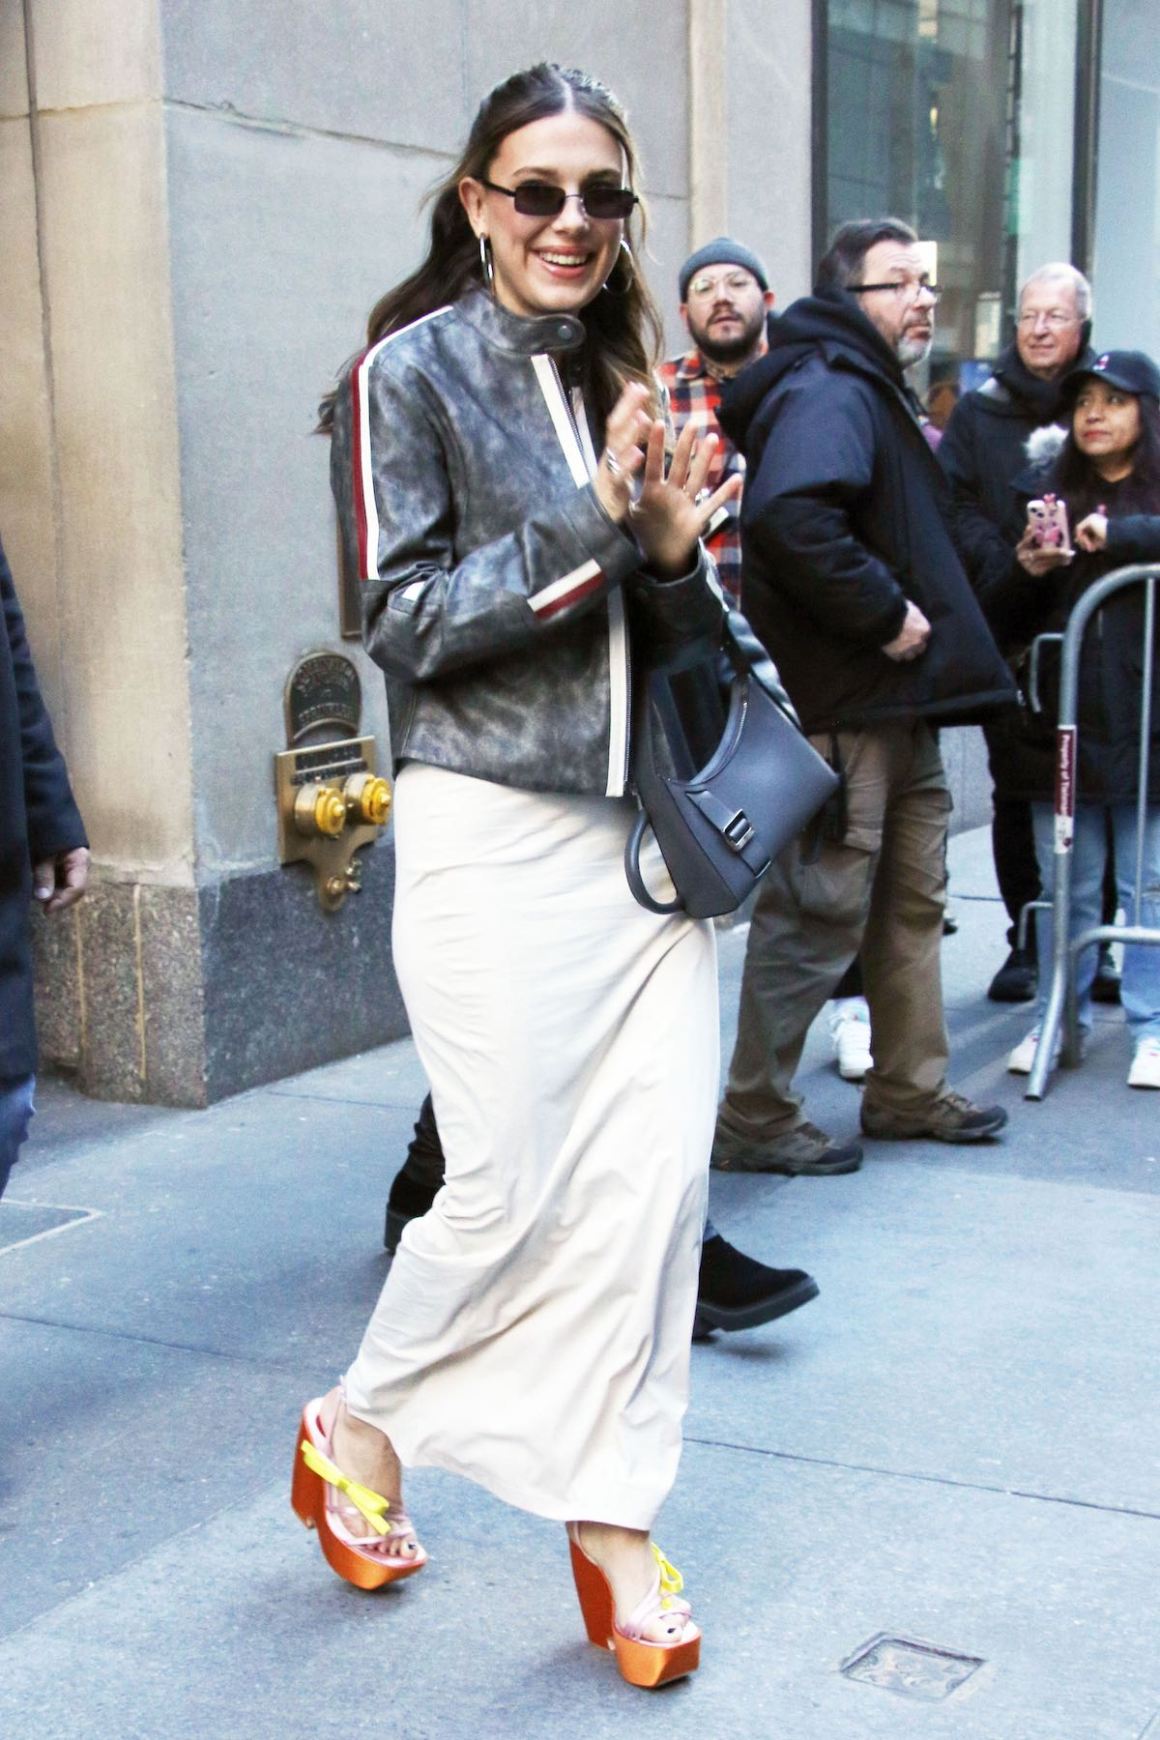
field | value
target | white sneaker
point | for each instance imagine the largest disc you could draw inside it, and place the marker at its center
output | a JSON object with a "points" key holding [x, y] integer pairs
{"points": [[1022, 1059], [1145, 1070], [850, 1033]]}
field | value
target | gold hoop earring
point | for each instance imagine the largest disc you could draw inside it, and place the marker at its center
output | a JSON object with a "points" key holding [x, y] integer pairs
{"points": [[486, 262]]}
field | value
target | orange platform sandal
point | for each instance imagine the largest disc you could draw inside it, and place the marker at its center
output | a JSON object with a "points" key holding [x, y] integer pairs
{"points": [[641, 1661], [317, 1491]]}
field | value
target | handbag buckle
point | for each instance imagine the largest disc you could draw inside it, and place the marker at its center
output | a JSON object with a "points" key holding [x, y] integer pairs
{"points": [[738, 831]]}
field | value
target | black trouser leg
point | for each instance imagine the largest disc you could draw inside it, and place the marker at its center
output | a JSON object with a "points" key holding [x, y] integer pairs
{"points": [[1013, 845], [418, 1178], [1111, 902], [850, 984], [424, 1162]]}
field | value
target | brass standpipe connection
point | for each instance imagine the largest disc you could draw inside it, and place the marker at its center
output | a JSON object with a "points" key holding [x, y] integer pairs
{"points": [[330, 799], [320, 809], [368, 799]]}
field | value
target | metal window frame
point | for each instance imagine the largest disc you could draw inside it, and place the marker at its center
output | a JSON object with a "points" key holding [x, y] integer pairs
{"points": [[820, 131], [1085, 175]]}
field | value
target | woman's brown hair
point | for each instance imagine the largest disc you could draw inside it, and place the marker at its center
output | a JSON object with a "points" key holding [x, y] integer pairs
{"points": [[622, 321]]}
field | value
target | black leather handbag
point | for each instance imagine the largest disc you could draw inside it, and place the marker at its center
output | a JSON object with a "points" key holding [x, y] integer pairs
{"points": [[725, 776]]}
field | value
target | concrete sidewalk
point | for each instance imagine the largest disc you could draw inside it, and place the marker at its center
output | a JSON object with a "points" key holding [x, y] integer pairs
{"points": [[957, 1443]]}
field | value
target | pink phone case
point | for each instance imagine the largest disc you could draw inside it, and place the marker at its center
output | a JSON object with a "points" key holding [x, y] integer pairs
{"points": [[1048, 521]]}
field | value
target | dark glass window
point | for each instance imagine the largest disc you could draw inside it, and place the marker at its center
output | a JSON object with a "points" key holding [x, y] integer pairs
{"points": [[957, 116], [1126, 264]]}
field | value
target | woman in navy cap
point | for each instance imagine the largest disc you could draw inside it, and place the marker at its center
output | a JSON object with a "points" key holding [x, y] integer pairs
{"points": [[1106, 470]]}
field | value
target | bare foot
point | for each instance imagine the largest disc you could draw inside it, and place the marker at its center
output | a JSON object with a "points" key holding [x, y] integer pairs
{"points": [[626, 1558], [366, 1455]]}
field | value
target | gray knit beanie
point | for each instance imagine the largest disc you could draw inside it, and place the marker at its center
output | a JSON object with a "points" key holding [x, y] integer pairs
{"points": [[724, 251]]}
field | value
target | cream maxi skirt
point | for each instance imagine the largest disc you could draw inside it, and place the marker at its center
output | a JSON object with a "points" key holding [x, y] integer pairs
{"points": [[533, 1332]]}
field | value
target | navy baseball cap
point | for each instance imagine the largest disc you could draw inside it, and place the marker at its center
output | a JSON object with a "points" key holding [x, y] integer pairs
{"points": [[1130, 370]]}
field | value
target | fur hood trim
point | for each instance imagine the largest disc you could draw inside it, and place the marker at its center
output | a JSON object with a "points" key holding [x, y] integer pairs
{"points": [[1044, 446]]}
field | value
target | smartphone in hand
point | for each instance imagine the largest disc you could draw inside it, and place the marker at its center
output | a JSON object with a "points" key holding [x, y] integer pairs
{"points": [[1047, 524]]}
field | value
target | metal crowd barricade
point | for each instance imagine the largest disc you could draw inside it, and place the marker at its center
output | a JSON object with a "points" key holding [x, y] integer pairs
{"points": [[1066, 949]]}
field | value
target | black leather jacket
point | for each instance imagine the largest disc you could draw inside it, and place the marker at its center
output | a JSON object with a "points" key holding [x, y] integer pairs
{"points": [[504, 605]]}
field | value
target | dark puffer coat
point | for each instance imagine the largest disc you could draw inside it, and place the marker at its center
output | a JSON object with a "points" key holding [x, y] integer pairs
{"points": [[38, 819], [983, 451], [844, 519], [1111, 665]]}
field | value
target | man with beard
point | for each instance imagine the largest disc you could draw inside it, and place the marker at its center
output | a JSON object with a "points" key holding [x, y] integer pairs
{"points": [[725, 298], [852, 581], [726, 303], [982, 451]]}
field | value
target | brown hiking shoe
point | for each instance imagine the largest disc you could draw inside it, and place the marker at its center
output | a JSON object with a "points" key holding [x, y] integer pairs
{"points": [[803, 1149], [952, 1118]]}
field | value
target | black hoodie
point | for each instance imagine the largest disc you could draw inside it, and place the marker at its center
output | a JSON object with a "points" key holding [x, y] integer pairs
{"points": [[983, 450], [843, 521]]}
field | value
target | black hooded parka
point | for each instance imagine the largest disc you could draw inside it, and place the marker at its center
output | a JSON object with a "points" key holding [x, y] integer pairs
{"points": [[844, 519]]}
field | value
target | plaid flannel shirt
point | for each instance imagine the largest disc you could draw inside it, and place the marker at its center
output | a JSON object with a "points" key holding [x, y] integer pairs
{"points": [[695, 395]]}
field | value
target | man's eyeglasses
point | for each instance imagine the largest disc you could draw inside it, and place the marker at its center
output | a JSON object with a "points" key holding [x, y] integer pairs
{"points": [[910, 287], [1055, 318], [736, 282], [542, 199]]}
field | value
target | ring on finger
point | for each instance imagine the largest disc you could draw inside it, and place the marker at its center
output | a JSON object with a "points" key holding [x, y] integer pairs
{"points": [[612, 464]]}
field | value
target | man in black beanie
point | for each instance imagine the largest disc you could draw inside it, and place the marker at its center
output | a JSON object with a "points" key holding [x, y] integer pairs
{"points": [[725, 301]]}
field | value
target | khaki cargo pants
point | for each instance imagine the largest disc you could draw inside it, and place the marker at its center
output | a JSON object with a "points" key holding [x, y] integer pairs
{"points": [[881, 891]]}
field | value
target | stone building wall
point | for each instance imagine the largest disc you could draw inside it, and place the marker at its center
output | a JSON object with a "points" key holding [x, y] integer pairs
{"points": [[198, 206]]}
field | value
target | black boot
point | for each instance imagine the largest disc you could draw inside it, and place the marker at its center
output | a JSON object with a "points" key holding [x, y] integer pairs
{"points": [[737, 1292], [1018, 978], [1106, 984], [420, 1176]]}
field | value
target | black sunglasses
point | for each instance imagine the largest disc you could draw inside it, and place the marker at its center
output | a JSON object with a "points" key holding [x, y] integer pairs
{"points": [[541, 199]]}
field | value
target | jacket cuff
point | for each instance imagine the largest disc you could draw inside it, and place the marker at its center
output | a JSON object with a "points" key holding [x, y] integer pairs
{"points": [[1135, 538], [892, 628], [63, 832], [603, 541]]}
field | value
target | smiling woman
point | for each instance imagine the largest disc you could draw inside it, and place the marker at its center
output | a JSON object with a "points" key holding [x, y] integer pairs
{"points": [[550, 261], [500, 476]]}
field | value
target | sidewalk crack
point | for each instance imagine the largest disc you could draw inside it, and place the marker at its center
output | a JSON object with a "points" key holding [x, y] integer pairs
{"points": [[929, 1480], [148, 1341]]}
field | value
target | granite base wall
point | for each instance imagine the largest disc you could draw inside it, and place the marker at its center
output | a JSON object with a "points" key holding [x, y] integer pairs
{"points": [[182, 996]]}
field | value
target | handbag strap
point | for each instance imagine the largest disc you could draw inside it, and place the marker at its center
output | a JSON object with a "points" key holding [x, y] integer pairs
{"points": [[746, 653], [632, 871]]}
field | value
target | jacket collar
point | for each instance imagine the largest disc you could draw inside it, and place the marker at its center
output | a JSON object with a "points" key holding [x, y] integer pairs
{"points": [[694, 367], [515, 332], [828, 324], [1031, 395]]}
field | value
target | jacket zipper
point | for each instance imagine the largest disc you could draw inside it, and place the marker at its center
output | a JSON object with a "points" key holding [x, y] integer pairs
{"points": [[619, 657]]}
